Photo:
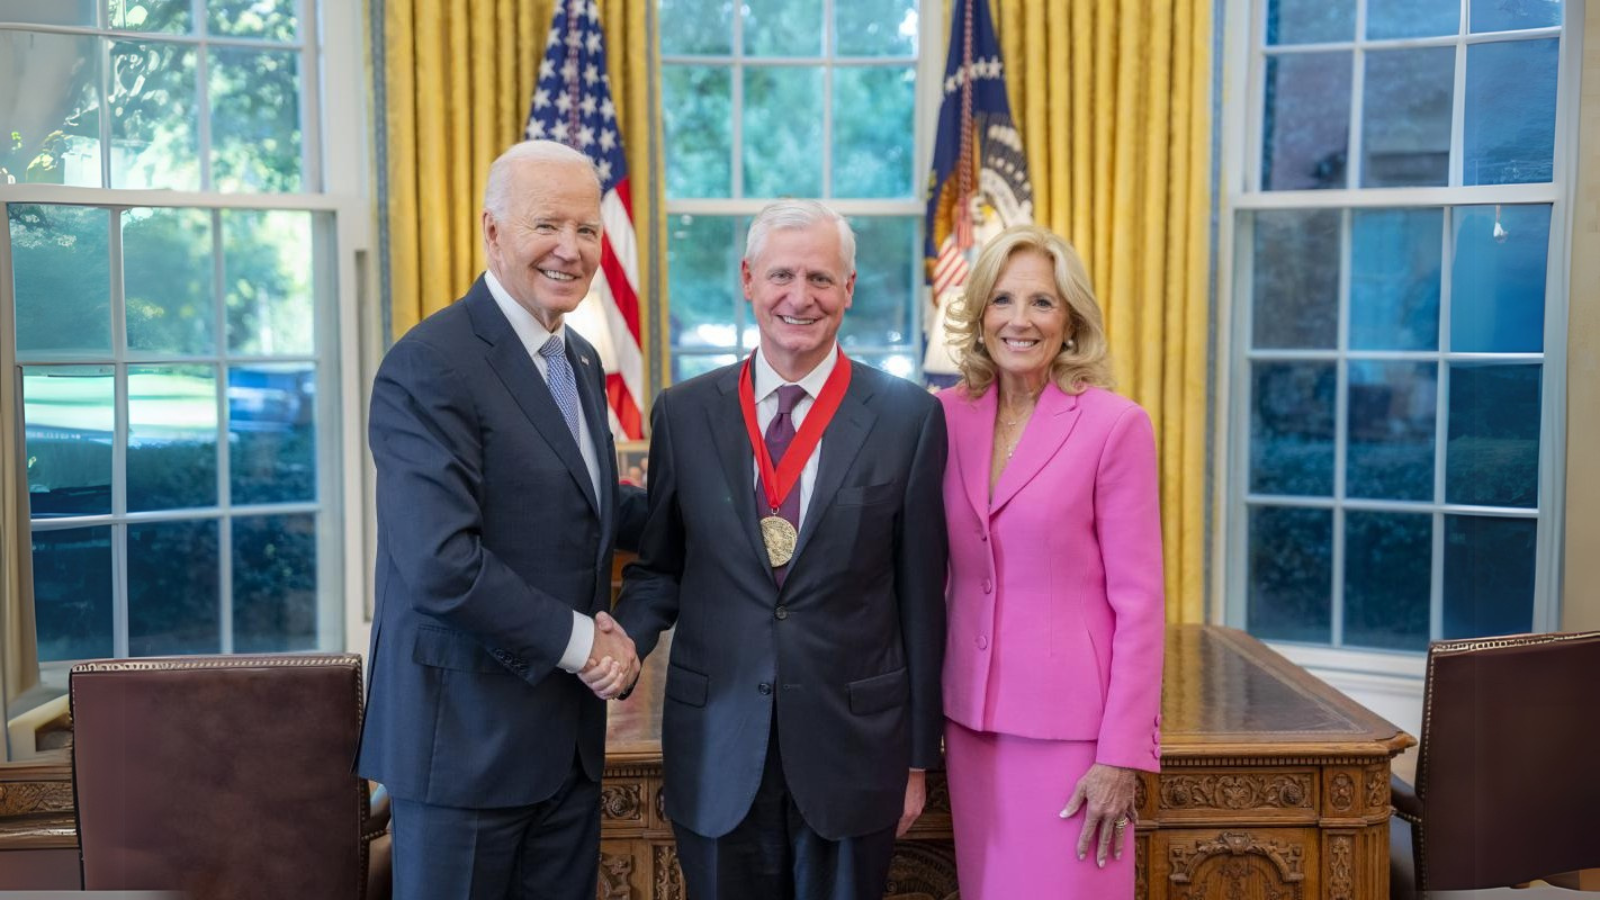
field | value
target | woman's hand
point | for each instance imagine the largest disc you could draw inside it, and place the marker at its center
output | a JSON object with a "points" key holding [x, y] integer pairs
{"points": [[1105, 793]]}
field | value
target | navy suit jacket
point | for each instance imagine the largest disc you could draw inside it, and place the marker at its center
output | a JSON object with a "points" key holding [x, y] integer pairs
{"points": [[490, 535], [846, 655]]}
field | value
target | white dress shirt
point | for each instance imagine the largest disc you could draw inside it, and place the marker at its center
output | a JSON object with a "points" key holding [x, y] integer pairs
{"points": [[533, 335], [766, 383]]}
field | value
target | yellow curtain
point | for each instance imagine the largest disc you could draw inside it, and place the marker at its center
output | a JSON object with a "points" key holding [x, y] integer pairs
{"points": [[460, 76], [1113, 98], [18, 639]]}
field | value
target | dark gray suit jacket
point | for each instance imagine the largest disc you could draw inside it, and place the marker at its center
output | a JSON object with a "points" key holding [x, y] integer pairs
{"points": [[489, 536], [846, 655]]}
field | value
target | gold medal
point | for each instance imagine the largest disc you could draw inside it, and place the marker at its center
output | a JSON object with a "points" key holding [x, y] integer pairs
{"points": [[780, 537]]}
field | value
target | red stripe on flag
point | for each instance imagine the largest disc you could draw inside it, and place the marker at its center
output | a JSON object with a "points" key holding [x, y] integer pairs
{"points": [[622, 404], [621, 291]]}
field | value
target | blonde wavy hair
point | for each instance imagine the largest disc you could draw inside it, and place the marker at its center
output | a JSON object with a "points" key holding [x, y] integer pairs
{"points": [[1084, 362]]}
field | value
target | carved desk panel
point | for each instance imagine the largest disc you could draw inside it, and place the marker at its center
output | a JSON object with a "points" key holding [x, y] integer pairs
{"points": [[1273, 786]]}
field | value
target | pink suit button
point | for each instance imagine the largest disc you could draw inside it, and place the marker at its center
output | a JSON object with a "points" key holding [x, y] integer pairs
{"points": [[983, 642]]}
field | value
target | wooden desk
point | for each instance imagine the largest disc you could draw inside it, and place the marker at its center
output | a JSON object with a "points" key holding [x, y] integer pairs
{"points": [[1273, 786]]}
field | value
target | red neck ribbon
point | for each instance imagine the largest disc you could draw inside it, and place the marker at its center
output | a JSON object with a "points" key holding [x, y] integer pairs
{"points": [[777, 483]]}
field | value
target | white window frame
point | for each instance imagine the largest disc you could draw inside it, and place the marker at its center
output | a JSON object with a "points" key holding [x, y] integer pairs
{"points": [[932, 34], [1390, 681], [335, 140]]}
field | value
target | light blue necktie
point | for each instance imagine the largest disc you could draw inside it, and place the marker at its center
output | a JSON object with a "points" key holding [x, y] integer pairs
{"points": [[562, 384]]}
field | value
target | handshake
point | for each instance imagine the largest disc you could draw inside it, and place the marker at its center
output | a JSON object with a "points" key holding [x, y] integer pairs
{"points": [[613, 664]]}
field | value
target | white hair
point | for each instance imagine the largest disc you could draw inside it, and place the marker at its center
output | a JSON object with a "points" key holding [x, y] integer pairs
{"points": [[787, 214], [499, 186]]}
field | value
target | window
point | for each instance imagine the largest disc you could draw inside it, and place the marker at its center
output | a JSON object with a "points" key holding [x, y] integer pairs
{"points": [[1398, 319], [169, 279], [815, 98]]}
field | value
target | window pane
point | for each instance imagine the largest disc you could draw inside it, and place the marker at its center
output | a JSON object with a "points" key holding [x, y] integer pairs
{"points": [[887, 258], [61, 270], [1406, 118], [167, 276], [1307, 129], [686, 366], [255, 120], [782, 131], [1310, 21], [174, 603], [1388, 563], [703, 255], [59, 12], [1498, 278], [267, 269], [272, 433], [1510, 130], [153, 116], [1412, 18], [1291, 429], [69, 416], [875, 27], [72, 593], [872, 131], [696, 116], [1296, 279], [274, 584], [1394, 279], [1291, 566], [782, 27], [50, 110], [1393, 407], [1488, 576], [1493, 455], [163, 16], [172, 437], [1499, 15], [900, 365], [274, 20], [696, 26]]}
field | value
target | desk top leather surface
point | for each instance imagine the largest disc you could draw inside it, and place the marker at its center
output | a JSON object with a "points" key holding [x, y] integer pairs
{"points": [[1225, 694]]}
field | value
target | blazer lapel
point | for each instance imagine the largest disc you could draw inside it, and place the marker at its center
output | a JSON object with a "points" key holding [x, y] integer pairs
{"points": [[841, 443], [728, 435], [586, 367], [1052, 421], [510, 361], [974, 446]]}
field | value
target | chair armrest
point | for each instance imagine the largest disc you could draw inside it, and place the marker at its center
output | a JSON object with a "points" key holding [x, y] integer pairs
{"points": [[1404, 797]]}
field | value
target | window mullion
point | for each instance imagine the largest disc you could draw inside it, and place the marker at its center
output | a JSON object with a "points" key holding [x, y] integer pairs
{"points": [[120, 429]]}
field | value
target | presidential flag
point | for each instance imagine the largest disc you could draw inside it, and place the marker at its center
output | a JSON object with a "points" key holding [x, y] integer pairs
{"points": [[572, 104], [980, 175]]}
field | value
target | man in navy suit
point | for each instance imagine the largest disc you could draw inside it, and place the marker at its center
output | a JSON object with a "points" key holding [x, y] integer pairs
{"points": [[498, 508], [796, 538]]}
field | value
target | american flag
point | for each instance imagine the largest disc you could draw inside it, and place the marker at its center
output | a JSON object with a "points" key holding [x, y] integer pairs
{"points": [[977, 151], [572, 104]]}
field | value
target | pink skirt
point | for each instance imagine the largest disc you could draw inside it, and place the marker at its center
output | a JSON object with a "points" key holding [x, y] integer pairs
{"points": [[1006, 795]]}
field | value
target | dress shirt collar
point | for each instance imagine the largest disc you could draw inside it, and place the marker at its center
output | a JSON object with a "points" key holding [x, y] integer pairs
{"points": [[767, 380], [529, 330]]}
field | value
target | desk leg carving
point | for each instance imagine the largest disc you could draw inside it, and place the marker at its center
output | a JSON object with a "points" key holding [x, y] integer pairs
{"points": [[616, 876], [1341, 867], [667, 877]]}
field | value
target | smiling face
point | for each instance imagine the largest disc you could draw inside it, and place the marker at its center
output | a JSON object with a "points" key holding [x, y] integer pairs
{"points": [[1025, 321], [545, 247], [798, 288]]}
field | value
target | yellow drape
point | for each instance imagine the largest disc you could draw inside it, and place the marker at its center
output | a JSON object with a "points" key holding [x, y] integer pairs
{"points": [[1113, 98], [19, 650], [460, 76]]}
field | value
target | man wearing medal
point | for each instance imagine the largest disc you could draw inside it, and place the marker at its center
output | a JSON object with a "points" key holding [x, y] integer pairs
{"points": [[796, 540]]}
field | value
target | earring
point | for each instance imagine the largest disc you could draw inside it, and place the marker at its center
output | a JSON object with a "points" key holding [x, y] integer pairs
{"points": [[1070, 344]]}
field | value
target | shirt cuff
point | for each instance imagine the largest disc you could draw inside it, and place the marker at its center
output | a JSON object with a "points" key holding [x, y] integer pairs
{"points": [[576, 656]]}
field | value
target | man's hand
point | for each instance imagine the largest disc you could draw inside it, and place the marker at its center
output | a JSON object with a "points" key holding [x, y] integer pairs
{"points": [[916, 796], [613, 663], [1105, 793]]}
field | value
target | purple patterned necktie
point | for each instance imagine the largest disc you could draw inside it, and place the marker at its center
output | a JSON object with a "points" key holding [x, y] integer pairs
{"points": [[780, 433]]}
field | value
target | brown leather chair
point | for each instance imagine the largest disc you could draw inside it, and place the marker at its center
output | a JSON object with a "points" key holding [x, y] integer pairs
{"points": [[1508, 788], [225, 777]]}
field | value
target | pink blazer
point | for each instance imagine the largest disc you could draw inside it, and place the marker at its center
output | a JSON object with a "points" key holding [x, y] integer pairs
{"points": [[1055, 602]]}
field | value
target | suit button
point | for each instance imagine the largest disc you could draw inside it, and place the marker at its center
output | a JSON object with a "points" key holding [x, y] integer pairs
{"points": [[764, 688], [983, 642], [988, 586], [781, 612]]}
